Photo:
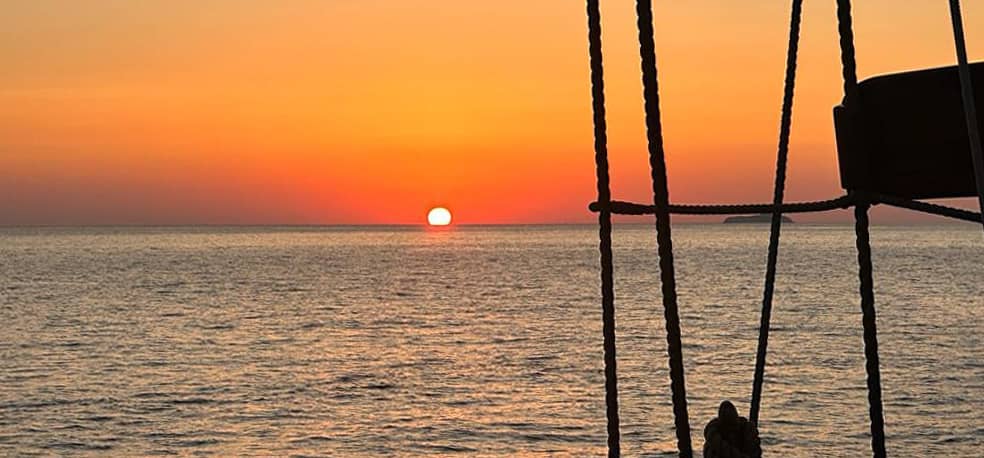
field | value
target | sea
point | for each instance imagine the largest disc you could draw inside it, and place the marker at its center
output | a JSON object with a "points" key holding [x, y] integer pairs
{"points": [[474, 341]]}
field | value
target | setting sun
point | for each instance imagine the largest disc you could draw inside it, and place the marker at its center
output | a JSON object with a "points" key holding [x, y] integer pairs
{"points": [[439, 217]]}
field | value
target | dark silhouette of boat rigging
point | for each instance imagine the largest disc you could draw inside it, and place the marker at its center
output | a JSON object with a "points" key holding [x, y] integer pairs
{"points": [[901, 138]]}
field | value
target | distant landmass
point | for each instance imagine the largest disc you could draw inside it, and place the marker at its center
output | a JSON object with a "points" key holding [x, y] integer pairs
{"points": [[763, 218]]}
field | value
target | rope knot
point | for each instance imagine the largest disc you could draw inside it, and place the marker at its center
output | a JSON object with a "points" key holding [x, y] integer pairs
{"points": [[731, 436]]}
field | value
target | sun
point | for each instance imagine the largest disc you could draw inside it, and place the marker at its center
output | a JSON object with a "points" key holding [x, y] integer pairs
{"points": [[439, 216]]}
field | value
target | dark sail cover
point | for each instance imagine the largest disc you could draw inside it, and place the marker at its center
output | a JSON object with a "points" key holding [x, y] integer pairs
{"points": [[906, 135]]}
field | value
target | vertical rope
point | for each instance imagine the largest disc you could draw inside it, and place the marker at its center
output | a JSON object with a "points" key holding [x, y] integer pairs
{"points": [[870, 330], [845, 28], [780, 186], [605, 226], [664, 239], [849, 66], [969, 103]]}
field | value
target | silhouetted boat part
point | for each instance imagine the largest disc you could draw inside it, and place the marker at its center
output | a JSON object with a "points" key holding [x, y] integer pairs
{"points": [[900, 137], [904, 135], [730, 435], [761, 218]]}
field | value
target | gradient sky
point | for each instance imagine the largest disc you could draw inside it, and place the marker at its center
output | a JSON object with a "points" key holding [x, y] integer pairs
{"points": [[372, 111]]}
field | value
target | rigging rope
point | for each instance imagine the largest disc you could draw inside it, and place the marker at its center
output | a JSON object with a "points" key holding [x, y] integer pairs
{"points": [[845, 28], [849, 65], [866, 275], [605, 226], [618, 207], [970, 106], [664, 239], [780, 187], [926, 207], [628, 208], [662, 209]]}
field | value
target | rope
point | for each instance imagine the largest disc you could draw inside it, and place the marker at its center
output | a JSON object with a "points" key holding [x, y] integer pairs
{"points": [[662, 209], [926, 207], [664, 239], [970, 106], [618, 207], [605, 226], [849, 65], [870, 331], [845, 30], [627, 208], [780, 187]]}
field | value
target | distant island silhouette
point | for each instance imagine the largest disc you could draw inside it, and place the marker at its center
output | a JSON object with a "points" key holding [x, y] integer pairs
{"points": [[762, 218]]}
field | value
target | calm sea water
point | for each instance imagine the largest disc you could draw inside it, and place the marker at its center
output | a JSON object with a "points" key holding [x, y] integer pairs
{"points": [[473, 342]]}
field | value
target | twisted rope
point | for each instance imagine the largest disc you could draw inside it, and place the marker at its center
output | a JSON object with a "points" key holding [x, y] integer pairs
{"points": [[925, 207], [664, 239], [605, 226], [845, 29], [866, 275], [662, 210], [617, 207], [849, 65], [628, 208], [970, 106], [780, 187]]}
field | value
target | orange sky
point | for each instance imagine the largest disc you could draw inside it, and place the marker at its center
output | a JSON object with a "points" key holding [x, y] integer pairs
{"points": [[372, 111]]}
